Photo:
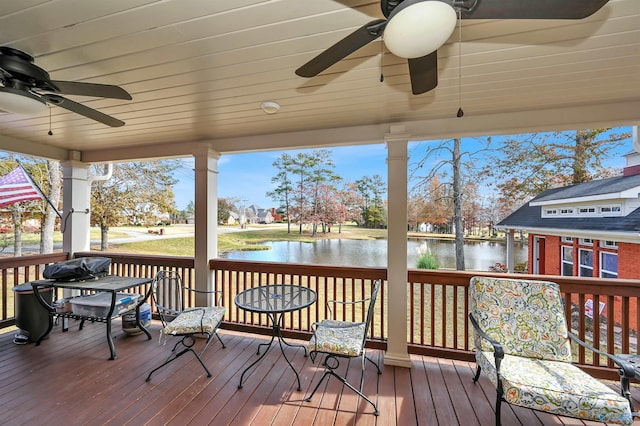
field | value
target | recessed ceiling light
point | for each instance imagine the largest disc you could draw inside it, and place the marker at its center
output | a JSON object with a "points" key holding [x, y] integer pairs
{"points": [[270, 107]]}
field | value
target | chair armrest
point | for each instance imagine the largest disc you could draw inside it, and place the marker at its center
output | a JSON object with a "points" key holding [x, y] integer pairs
{"points": [[498, 350], [626, 369]]}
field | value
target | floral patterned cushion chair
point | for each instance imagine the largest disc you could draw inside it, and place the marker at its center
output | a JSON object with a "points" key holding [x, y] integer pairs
{"points": [[523, 345], [343, 340], [167, 294]]}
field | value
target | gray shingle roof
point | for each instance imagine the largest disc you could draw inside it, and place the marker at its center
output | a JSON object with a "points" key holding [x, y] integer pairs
{"points": [[528, 216], [612, 185]]}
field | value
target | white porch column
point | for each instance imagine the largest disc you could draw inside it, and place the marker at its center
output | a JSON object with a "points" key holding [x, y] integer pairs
{"points": [[397, 248], [206, 220], [511, 249], [76, 202]]}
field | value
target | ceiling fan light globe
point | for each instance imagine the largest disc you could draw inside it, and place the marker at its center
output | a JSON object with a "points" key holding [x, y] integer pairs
{"points": [[19, 102], [418, 27]]}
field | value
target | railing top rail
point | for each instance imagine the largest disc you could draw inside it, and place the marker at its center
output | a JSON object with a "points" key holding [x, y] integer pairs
{"points": [[143, 259], [36, 259], [300, 269]]}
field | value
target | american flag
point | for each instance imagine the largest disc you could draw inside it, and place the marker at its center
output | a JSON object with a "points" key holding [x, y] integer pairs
{"points": [[17, 186]]}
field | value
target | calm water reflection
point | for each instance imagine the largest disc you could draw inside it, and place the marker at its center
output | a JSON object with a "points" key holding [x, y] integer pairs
{"points": [[479, 255]]}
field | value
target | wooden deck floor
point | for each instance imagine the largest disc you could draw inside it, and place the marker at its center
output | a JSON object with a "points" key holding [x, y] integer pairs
{"points": [[67, 380]]}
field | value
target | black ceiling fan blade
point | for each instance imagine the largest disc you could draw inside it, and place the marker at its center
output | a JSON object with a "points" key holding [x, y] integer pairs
{"points": [[83, 110], [91, 89], [539, 9], [424, 73], [354, 41]]}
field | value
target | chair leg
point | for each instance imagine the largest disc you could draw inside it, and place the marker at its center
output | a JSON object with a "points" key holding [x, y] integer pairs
{"points": [[498, 405], [350, 386], [375, 364], [499, 394], [330, 363], [187, 342], [477, 376], [324, 376], [220, 339]]}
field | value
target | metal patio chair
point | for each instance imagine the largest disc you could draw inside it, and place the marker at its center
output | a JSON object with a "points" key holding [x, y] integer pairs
{"points": [[524, 346], [338, 340], [167, 294]]}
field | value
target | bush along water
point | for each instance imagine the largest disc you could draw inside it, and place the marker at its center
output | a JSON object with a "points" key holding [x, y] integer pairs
{"points": [[426, 259]]}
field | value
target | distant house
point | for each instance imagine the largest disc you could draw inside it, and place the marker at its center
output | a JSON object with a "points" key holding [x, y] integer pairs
{"points": [[265, 216], [591, 229], [255, 214], [233, 218]]}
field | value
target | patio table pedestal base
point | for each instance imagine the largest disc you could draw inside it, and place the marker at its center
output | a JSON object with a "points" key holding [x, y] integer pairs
{"points": [[276, 320]]}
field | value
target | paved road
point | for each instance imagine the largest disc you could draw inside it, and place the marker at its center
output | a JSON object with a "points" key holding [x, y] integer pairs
{"points": [[142, 235]]}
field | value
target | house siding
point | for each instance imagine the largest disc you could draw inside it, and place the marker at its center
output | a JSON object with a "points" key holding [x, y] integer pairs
{"points": [[628, 255], [553, 262], [628, 264], [552, 254]]}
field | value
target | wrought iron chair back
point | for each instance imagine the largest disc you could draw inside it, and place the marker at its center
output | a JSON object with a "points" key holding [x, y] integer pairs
{"points": [[337, 340], [168, 300]]}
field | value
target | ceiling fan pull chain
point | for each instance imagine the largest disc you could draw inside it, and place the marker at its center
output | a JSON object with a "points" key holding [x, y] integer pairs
{"points": [[50, 133], [382, 60], [460, 111]]}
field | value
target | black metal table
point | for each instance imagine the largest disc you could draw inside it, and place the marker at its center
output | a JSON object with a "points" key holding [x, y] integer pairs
{"points": [[109, 284], [275, 300]]}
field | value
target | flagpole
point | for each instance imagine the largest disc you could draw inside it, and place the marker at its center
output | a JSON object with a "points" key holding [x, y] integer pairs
{"points": [[38, 188]]}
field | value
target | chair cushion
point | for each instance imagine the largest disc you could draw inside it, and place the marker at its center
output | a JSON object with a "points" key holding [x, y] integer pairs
{"points": [[556, 387], [193, 321], [526, 317], [338, 337]]}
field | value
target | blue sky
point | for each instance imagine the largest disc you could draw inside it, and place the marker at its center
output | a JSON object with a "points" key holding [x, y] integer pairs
{"points": [[248, 176]]}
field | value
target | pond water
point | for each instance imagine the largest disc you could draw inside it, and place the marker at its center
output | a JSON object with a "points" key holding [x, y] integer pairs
{"points": [[479, 255]]}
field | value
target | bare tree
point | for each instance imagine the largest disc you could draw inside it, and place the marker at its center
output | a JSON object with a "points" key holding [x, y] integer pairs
{"points": [[541, 161], [458, 171]]}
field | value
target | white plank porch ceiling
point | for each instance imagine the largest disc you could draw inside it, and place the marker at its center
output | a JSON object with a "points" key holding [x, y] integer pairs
{"points": [[198, 71]]}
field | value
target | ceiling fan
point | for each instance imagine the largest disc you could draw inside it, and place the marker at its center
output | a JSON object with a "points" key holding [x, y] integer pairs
{"points": [[23, 83], [415, 29]]}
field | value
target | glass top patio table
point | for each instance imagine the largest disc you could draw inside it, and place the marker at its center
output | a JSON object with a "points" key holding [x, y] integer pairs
{"points": [[275, 300]]}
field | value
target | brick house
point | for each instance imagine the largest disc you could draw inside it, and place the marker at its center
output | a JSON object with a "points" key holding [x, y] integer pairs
{"points": [[590, 229]]}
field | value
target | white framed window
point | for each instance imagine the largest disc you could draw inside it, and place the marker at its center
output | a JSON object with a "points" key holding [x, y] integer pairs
{"points": [[551, 212], [567, 239], [587, 210], [585, 265], [586, 241], [608, 264], [567, 260], [610, 210], [566, 211], [608, 244]]}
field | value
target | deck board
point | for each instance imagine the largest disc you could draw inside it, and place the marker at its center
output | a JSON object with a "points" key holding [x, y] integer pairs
{"points": [[69, 380]]}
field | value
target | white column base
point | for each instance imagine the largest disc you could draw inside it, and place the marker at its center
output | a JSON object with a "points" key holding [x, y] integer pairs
{"points": [[397, 360]]}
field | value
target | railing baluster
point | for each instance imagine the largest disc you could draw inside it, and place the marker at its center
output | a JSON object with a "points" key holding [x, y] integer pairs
{"points": [[438, 300]]}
